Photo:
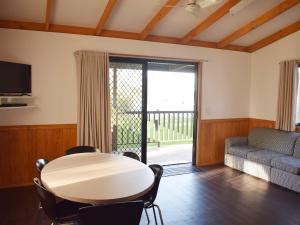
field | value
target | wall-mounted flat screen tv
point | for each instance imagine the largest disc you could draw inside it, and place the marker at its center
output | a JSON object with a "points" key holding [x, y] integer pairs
{"points": [[15, 78]]}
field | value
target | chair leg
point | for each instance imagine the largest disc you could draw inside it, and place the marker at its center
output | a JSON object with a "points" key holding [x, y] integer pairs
{"points": [[56, 222], [160, 214], [37, 219], [154, 214], [147, 215]]}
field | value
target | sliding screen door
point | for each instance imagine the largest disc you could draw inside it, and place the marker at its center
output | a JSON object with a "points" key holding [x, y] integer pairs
{"points": [[128, 96]]}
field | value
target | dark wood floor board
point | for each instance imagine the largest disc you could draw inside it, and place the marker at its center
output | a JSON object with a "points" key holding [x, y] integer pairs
{"points": [[217, 196]]}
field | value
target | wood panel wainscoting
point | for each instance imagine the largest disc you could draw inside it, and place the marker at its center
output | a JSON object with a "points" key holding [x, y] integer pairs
{"points": [[265, 123], [261, 123], [211, 138], [20, 146]]}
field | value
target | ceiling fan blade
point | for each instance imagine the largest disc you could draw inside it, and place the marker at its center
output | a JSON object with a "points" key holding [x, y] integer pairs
{"points": [[208, 3], [175, 6], [193, 9]]}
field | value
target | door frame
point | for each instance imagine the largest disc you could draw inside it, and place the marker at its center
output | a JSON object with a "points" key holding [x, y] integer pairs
{"points": [[144, 62]]}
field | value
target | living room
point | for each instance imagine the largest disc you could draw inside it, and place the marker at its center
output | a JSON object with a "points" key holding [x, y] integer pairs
{"points": [[237, 58]]}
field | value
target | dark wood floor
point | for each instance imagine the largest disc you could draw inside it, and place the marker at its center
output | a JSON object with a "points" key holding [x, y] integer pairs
{"points": [[218, 196]]}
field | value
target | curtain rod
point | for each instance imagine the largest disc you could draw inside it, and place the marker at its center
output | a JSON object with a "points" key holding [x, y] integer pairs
{"points": [[157, 57]]}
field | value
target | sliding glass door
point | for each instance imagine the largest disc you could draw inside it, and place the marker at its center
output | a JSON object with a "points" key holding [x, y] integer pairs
{"points": [[160, 116], [128, 105], [170, 105]]}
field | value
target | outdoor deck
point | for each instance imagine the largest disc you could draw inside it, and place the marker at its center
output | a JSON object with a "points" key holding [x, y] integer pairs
{"points": [[171, 154]]}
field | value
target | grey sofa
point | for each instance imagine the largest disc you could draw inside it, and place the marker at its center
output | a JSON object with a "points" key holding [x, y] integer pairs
{"points": [[266, 153]]}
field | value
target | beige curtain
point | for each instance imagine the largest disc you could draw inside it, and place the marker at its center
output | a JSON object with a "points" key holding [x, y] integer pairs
{"points": [[287, 96], [93, 128]]}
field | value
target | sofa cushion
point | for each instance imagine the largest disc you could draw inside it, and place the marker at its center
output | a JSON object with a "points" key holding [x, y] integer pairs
{"points": [[271, 139], [297, 148], [263, 156], [241, 150], [287, 163]]}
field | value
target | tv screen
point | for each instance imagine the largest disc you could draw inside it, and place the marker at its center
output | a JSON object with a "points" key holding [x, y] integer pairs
{"points": [[15, 78]]}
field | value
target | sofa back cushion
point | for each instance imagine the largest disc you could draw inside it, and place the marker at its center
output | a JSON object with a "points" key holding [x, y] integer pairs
{"points": [[297, 148], [271, 139]]}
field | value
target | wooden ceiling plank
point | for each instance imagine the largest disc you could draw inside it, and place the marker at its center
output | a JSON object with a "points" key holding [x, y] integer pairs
{"points": [[107, 11], [214, 17], [111, 33], [167, 7], [275, 37], [275, 11], [48, 14]]}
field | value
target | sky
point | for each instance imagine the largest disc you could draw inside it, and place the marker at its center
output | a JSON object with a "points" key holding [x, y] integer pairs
{"points": [[170, 91], [167, 91]]}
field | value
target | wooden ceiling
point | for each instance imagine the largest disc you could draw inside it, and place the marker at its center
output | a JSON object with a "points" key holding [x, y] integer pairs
{"points": [[256, 26]]}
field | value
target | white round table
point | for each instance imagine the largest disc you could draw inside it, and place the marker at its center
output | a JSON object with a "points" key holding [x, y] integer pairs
{"points": [[97, 178]]}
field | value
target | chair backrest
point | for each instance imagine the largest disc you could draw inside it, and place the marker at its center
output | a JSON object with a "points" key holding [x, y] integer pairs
{"points": [[128, 213], [40, 163], [132, 155], [158, 172], [47, 199], [80, 149]]}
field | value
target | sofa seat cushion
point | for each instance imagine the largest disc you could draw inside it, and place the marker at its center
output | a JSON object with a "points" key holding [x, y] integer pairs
{"points": [[287, 163], [263, 156], [271, 139], [241, 150]]}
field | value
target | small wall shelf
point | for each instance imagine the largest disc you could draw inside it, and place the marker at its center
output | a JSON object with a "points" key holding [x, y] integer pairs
{"points": [[18, 107], [17, 97], [28, 100]]}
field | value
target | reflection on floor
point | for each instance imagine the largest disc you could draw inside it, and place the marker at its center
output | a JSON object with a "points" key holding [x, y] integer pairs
{"points": [[217, 196], [171, 154]]}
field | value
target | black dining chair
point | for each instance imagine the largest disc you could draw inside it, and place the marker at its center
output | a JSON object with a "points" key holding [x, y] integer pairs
{"points": [[57, 212], [40, 163], [150, 197], [132, 155], [80, 149], [128, 213]]}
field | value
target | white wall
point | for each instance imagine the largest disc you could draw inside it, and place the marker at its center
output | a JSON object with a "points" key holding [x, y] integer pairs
{"points": [[265, 75], [226, 75]]}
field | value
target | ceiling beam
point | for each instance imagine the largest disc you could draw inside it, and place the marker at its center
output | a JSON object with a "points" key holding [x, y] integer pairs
{"points": [[197, 43], [276, 36], [214, 17], [48, 14], [109, 7], [169, 40], [111, 33], [22, 25], [158, 17], [275, 11]]}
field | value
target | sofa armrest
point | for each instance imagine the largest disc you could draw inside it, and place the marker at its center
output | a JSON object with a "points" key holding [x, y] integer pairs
{"points": [[232, 141]]}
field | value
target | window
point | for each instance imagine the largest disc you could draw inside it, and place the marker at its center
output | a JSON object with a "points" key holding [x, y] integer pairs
{"points": [[298, 100]]}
